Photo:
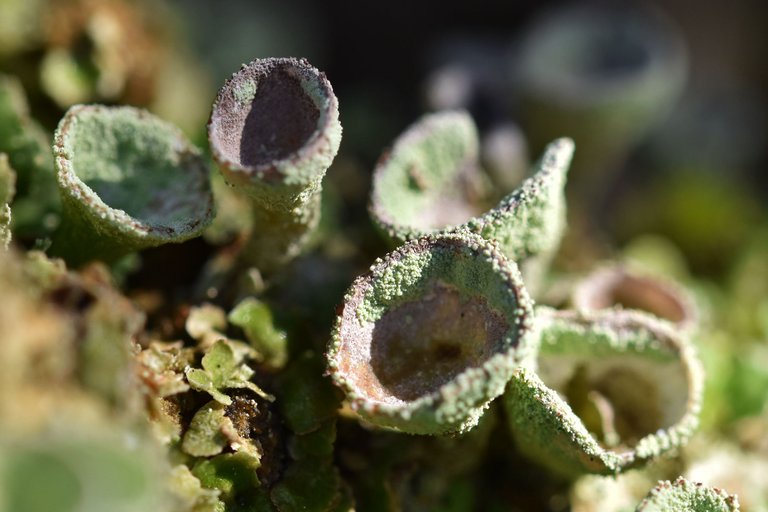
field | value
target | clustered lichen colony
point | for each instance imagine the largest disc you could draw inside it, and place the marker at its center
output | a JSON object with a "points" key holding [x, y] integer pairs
{"points": [[240, 402]]}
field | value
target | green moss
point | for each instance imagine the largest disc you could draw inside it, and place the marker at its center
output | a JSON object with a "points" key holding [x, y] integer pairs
{"points": [[255, 318], [222, 369], [205, 436]]}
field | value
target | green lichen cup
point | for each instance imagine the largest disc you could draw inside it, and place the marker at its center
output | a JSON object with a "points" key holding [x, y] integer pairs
{"points": [[7, 191], [274, 131], [431, 334], [610, 390], [128, 181], [430, 183], [686, 496], [605, 74]]}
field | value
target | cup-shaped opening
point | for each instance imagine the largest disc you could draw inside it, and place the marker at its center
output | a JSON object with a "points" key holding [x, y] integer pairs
{"points": [[626, 376], [594, 54], [683, 494], [430, 182], [430, 179], [272, 111], [436, 313], [617, 286], [124, 164], [424, 343]]}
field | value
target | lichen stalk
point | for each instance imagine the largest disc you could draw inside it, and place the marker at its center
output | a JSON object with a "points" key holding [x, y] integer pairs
{"points": [[274, 131]]}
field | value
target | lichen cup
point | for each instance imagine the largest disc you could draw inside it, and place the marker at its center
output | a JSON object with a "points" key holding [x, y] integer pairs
{"points": [[685, 496], [605, 74], [274, 131], [617, 285], [128, 181], [430, 183], [610, 390], [431, 335]]}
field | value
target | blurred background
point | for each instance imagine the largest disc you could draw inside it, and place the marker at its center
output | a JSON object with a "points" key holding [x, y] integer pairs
{"points": [[667, 102]]}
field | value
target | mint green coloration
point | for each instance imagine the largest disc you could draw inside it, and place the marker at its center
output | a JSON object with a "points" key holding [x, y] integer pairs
{"points": [[205, 436], [7, 191], [189, 495], [602, 75], [78, 475], [222, 369], [610, 390], [686, 496], [282, 175], [234, 476], [430, 183], [529, 223], [255, 318], [245, 92], [37, 206], [451, 378], [128, 181]]}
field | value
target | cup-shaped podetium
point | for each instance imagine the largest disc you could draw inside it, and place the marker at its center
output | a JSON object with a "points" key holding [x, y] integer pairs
{"points": [[429, 183], [685, 496], [128, 181], [620, 286], [605, 74], [431, 334], [611, 390], [274, 130]]}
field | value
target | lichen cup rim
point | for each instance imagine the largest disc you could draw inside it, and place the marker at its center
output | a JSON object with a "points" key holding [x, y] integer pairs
{"points": [[555, 158], [426, 126], [454, 405], [671, 302], [682, 494], [313, 156], [666, 54], [588, 455], [127, 225]]}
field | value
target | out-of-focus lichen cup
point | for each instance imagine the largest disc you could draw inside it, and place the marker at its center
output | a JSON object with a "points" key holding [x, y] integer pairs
{"points": [[128, 181], [431, 335], [605, 75], [274, 130], [610, 390], [620, 286]]}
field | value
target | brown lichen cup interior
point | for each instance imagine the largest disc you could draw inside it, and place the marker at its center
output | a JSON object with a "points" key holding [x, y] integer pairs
{"points": [[613, 287], [266, 112]]}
